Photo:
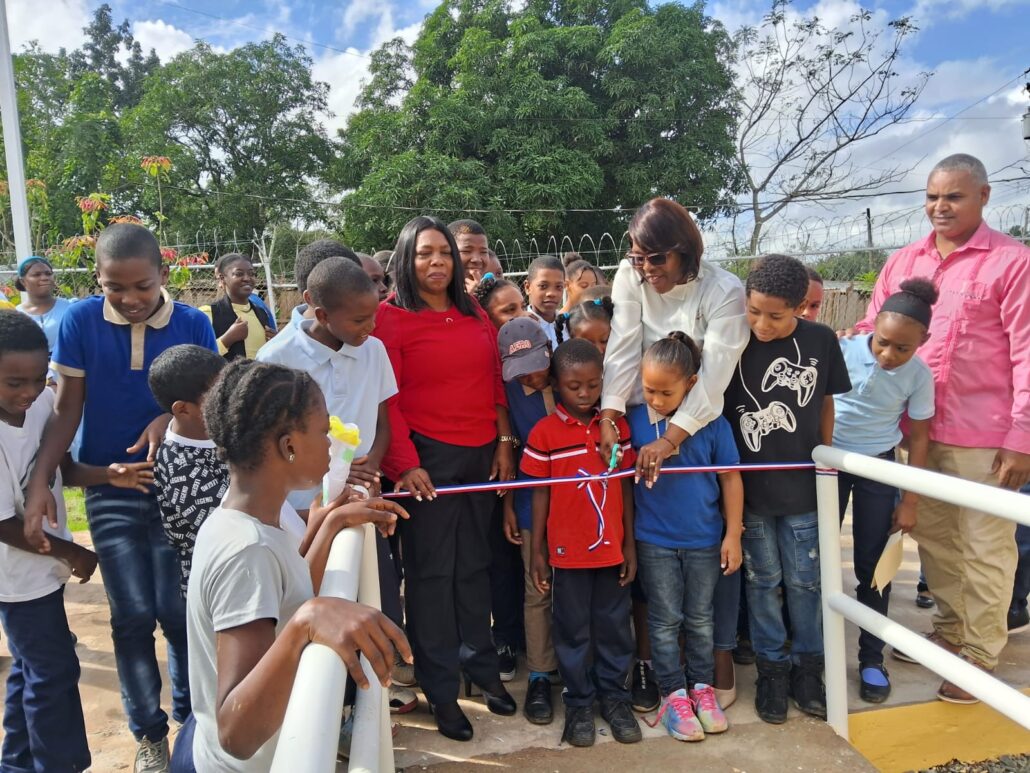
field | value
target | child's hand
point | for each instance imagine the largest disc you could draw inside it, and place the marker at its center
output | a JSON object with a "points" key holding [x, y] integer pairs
{"points": [[730, 557], [540, 572], [318, 512], [83, 563], [904, 518], [134, 475], [381, 513], [628, 570], [417, 481], [511, 524], [39, 504], [269, 333], [364, 473], [237, 332]]}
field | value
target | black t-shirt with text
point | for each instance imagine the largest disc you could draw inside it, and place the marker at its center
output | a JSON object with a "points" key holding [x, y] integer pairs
{"points": [[774, 403]]}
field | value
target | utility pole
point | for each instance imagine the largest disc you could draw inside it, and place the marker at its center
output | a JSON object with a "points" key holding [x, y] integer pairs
{"points": [[868, 223], [12, 143]]}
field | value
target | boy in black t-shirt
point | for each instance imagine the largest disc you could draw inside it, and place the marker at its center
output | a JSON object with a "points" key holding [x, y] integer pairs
{"points": [[780, 406]]}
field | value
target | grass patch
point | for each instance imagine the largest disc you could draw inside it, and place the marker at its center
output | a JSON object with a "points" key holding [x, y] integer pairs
{"points": [[75, 504]]}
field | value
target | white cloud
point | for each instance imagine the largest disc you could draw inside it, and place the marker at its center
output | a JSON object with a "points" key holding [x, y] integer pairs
{"points": [[164, 38], [60, 26]]}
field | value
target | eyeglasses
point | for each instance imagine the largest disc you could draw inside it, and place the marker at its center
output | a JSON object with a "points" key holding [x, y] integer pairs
{"points": [[656, 259]]}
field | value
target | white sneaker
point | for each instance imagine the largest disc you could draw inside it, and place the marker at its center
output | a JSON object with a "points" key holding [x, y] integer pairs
{"points": [[152, 756], [402, 700]]}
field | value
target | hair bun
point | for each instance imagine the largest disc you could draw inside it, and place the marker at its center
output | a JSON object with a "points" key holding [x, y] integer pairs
{"points": [[922, 288]]}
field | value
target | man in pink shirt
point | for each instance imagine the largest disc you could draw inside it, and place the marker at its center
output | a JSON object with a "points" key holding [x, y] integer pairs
{"points": [[979, 352]]}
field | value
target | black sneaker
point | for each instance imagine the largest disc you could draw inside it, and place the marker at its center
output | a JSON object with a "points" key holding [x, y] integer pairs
{"points": [[643, 689], [538, 708], [743, 653], [506, 662], [806, 686], [579, 726], [772, 689], [616, 712], [1018, 620]]}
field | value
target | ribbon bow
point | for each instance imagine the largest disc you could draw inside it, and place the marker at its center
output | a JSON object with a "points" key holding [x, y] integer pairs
{"points": [[598, 507]]}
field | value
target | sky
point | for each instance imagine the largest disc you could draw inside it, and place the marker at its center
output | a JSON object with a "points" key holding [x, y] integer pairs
{"points": [[976, 49]]}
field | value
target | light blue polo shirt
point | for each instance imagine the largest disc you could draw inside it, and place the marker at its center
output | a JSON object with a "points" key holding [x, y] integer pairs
{"points": [[353, 379], [868, 418]]}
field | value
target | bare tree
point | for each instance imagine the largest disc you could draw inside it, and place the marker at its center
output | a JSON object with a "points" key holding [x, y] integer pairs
{"points": [[809, 94]]}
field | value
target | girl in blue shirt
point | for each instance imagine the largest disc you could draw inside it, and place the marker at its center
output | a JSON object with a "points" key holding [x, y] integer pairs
{"points": [[888, 381]]}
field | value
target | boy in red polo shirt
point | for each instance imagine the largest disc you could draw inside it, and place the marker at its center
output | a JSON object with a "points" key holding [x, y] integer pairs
{"points": [[584, 531]]}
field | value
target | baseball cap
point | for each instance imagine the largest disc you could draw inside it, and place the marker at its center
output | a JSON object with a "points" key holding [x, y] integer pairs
{"points": [[524, 348]]}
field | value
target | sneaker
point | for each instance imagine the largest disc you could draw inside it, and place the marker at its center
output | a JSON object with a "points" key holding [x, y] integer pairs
{"points": [[677, 716], [616, 712], [806, 685], [707, 709], [402, 700], [346, 736], [403, 674], [579, 726], [934, 638], [924, 599], [773, 686], [1018, 620], [643, 689], [151, 756], [506, 662], [874, 682]]}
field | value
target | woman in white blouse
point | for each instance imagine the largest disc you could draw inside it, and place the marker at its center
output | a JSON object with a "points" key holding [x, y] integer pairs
{"points": [[663, 285]]}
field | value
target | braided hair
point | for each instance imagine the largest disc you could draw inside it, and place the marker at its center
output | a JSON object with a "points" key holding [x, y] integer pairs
{"points": [[677, 351], [252, 403], [488, 285], [599, 308]]}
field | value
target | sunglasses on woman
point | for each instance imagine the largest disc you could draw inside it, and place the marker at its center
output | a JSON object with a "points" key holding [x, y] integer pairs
{"points": [[655, 259]]}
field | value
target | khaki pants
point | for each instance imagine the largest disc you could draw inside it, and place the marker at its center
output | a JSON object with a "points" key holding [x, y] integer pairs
{"points": [[969, 558], [537, 612]]}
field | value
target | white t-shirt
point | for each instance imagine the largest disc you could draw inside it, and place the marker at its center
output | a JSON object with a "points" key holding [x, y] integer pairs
{"points": [[243, 570], [26, 576]]}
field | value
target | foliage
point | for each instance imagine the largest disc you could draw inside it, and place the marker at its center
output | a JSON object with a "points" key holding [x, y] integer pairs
{"points": [[849, 266], [552, 106]]}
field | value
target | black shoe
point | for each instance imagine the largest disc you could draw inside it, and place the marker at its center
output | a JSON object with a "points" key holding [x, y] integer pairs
{"points": [[806, 686], [616, 712], [772, 688], [643, 689], [924, 599], [579, 726], [506, 662], [743, 653], [497, 698], [538, 708], [451, 721], [870, 692], [1018, 620]]}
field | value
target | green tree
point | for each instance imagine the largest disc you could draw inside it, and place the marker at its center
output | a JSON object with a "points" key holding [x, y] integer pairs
{"points": [[563, 105]]}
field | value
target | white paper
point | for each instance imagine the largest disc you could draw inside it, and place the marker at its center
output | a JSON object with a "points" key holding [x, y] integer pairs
{"points": [[890, 561]]}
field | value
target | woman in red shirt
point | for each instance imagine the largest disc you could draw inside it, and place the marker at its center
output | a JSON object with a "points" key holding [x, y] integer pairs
{"points": [[449, 425]]}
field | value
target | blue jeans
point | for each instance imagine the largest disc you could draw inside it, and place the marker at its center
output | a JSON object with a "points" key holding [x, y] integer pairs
{"points": [[141, 577], [182, 752], [43, 726], [727, 609], [783, 548], [680, 587], [872, 511]]}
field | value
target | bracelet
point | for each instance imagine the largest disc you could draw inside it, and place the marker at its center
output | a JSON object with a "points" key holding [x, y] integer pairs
{"points": [[509, 439], [671, 444], [618, 435]]}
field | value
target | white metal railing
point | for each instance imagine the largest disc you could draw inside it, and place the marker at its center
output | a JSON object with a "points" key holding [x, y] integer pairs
{"points": [[310, 732], [837, 605]]}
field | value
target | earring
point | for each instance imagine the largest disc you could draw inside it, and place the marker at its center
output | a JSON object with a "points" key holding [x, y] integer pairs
{"points": [[292, 457]]}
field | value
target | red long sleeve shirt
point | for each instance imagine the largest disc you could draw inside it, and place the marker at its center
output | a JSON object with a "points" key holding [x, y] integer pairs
{"points": [[449, 383]]}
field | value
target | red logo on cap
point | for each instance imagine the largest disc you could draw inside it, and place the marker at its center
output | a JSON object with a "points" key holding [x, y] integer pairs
{"points": [[518, 346]]}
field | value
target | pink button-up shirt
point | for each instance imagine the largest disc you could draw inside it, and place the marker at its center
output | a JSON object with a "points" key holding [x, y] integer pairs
{"points": [[979, 347]]}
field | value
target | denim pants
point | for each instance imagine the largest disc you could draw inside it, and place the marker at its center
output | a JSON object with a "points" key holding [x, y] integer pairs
{"points": [[1021, 586], [592, 635], [43, 726], [141, 577], [786, 548], [726, 603], [872, 511], [680, 587]]}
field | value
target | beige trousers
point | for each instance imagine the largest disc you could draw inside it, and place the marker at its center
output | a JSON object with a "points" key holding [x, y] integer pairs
{"points": [[969, 558], [537, 613]]}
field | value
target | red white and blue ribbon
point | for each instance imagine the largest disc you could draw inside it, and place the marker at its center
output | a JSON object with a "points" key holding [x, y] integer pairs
{"points": [[579, 480], [588, 481]]}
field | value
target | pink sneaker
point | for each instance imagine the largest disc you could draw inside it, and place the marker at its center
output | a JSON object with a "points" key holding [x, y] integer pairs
{"points": [[677, 715], [708, 711]]}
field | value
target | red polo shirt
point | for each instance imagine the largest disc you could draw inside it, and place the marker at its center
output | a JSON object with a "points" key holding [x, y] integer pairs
{"points": [[584, 522]]}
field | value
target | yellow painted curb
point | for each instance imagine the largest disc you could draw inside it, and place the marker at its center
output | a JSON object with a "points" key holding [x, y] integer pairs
{"points": [[907, 738]]}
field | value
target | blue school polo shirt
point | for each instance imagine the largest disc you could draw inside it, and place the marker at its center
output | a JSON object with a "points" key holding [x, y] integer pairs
{"points": [[526, 407], [682, 511], [98, 344], [867, 420]]}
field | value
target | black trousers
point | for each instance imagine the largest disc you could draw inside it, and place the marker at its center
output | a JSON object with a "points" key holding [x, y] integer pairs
{"points": [[507, 584], [591, 632], [445, 547]]}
